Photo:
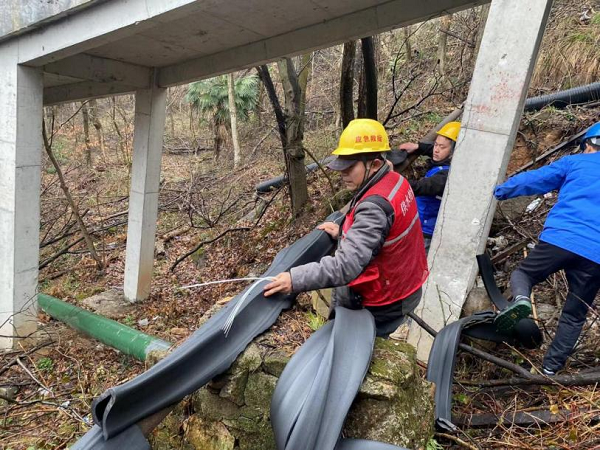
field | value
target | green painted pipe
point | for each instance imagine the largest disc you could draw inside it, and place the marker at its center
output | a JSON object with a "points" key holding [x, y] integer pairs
{"points": [[123, 338]]}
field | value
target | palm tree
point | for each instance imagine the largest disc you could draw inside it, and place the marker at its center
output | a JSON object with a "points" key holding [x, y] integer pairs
{"points": [[210, 98]]}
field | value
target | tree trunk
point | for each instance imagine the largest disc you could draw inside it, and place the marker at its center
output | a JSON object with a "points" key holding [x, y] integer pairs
{"points": [[305, 70], [407, 43], [290, 125], [233, 120], [93, 111], [445, 23], [347, 83], [86, 133], [370, 77], [294, 127], [265, 77], [361, 107], [65, 189]]}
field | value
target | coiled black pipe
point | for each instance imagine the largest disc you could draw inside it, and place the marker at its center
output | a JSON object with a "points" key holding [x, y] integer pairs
{"points": [[274, 183], [577, 95]]}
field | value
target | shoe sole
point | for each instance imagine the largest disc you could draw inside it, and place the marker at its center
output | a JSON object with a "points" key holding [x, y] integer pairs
{"points": [[507, 320]]}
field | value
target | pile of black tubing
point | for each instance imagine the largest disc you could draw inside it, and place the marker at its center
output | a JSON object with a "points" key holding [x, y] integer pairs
{"points": [[442, 358], [312, 396]]}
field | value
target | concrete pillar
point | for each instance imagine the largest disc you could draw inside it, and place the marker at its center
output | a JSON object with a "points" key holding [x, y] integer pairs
{"points": [[490, 122], [21, 109], [150, 112]]}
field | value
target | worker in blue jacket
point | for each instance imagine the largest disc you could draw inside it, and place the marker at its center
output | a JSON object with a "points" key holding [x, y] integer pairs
{"points": [[570, 241], [429, 189]]}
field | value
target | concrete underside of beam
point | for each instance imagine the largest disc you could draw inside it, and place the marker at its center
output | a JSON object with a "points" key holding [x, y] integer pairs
{"points": [[490, 122]]}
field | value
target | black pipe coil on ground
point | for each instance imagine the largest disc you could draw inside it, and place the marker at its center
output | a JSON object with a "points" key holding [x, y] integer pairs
{"points": [[561, 99]]}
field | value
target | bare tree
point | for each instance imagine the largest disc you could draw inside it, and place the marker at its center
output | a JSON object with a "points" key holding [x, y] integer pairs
{"points": [[347, 83], [86, 133], [93, 113], [233, 120], [290, 124], [73, 206], [370, 77], [445, 23]]}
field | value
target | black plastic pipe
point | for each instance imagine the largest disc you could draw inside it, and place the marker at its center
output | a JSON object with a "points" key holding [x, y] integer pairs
{"points": [[574, 96]]}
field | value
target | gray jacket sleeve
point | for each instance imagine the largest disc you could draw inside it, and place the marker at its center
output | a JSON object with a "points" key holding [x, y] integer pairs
{"points": [[362, 243]]}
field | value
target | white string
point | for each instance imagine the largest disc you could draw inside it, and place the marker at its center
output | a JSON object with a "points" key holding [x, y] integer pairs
{"points": [[228, 281], [229, 322], [233, 314]]}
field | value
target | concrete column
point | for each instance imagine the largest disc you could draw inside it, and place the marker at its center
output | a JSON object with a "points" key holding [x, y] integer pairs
{"points": [[150, 112], [20, 159], [490, 122]]}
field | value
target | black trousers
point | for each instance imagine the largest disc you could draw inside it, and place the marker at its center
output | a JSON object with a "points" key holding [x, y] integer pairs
{"points": [[390, 317], [583, 277]]}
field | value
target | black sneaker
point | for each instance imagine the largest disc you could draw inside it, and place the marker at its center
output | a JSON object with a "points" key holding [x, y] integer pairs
{"points": [[507, 319]]}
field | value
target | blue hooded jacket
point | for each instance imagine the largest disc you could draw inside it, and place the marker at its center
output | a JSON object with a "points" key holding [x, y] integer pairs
{"points": [[574, 222]]}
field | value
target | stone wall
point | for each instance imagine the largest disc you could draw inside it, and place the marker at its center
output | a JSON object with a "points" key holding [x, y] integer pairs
{"points": [[394, 404]]}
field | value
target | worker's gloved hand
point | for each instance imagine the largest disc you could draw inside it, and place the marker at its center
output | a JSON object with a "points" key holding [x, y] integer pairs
{"points": [[500, 193], [281, 284], [331, 228], [409, 147]]}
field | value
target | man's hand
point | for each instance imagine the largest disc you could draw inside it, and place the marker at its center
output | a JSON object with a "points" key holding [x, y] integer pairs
{"points": [[331, 228], [409, 147], [282, 283]]}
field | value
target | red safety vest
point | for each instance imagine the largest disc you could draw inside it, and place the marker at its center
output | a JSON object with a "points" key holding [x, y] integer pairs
{"points": [[400, 267]]}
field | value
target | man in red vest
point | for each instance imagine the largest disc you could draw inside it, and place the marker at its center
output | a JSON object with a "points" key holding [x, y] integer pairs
{"points": [[380, 261]]}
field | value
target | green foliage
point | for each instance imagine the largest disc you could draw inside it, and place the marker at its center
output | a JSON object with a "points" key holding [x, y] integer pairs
{"points": [[595, 19], [434, 445], [129, 321], [462, 399], [45, 364], [315, 321], [210, 97], [587, 38]]}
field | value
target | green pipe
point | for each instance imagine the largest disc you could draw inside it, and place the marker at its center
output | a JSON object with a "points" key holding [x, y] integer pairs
{"points": [[123, 338]]}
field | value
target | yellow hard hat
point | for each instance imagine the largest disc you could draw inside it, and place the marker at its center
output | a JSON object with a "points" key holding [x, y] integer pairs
{"points": [[450, 130], [362, 136]]}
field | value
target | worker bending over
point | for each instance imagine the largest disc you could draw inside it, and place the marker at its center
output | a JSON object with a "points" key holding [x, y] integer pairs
{"points": [[380, 262], [570, 241], [430, 188]]}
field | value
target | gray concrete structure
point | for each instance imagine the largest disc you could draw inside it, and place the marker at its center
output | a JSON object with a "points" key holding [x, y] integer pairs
{"points": [[490, 123], [143, 46], [150, 113]]}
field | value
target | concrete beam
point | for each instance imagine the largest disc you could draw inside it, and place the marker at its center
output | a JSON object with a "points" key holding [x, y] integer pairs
{"points": [[150, 113], [490, 122], [101, 70], [100, 24], [81, 91], [373, 20], [20, 171]]}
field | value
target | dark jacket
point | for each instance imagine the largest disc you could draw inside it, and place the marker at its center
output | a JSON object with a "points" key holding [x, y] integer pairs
{"points": [[434, 185]]}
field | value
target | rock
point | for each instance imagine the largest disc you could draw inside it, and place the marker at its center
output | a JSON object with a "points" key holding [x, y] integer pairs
{"points": [[321, 299], [275, 362], [111, 304], [477, 300], [207, 435], [259, 390], [9, 392], [237, 376], [513, 208], [400, 410], [546, 312], [394, 403]]}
